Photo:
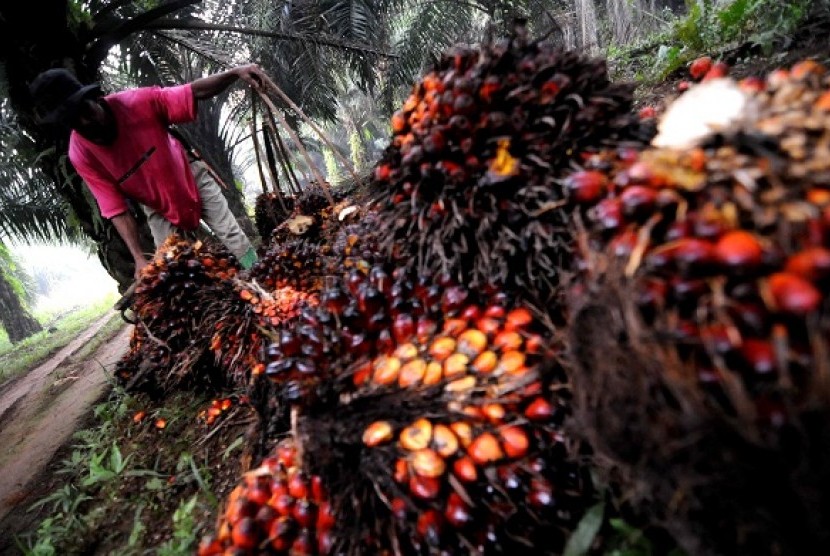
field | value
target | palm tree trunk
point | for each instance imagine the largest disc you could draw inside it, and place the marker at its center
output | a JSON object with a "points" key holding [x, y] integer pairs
{"points": [[14, 317]]}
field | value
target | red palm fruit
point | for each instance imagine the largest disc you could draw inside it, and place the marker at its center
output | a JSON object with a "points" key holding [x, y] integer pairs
{"points": [[259, 494], [471, 342], [586, 186], [425, 488], [304, 543], [539, 410], [297, 483], [453, 299], [442, 348], [485, 362], [454, 327], [398, 122], [823, 102], [401, 474], [403, 328], [688, 254], [239, 509], [608, 214], [485, 449], [793, 294], [457, 511], [282, 502], [318, 491], [488, 326], [383, 172], [465, 469], [246, 534], [638, 201], [425, 329], [287, 454], [428, 463], [812, 264], [282, 533], [471, 313], [541, 494], [718, 70], [647, 112], [362, 374], [739, 249], [682, 86], [518, 319], [700, 67], [325, 541], [495, 312], [305, 513], [759, 354], [377, 433], [417, 436], [325, 516], [623, 244], [752, 84], [429, 526]]}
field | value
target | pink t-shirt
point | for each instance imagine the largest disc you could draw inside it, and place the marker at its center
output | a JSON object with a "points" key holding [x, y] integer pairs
{"points": [[145, 163]]}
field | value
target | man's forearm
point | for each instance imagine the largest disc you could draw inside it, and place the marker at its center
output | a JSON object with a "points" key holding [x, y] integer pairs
{"points": [[127, 228]]}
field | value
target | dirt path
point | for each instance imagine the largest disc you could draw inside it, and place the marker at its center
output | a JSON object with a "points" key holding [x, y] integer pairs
{"points": [[40, 410]]}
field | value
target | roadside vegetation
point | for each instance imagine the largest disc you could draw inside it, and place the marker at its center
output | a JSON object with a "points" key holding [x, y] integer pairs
{"points": [[58, 331]]}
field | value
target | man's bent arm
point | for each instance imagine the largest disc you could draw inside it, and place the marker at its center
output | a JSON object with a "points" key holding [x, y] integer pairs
{"points": [[127, 228], [212, 85]]}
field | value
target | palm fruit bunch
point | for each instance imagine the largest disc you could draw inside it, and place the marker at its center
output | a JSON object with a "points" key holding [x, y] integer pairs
{"points": [[276, 509], [357, 244], [468, 181], [297, 263], [170, 302], [699, 319], [238, 325], [271, 210], [434, 414]]}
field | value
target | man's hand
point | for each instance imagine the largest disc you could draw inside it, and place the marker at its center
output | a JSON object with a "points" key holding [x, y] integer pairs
{"points": [[252, 74], [139, 266]]}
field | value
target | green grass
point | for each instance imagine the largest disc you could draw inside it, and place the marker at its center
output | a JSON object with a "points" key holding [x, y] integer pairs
{"points": [[17, 358]]}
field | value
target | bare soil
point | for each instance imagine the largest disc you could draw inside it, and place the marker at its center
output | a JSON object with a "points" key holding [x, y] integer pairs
{"points": [[40, 410]]}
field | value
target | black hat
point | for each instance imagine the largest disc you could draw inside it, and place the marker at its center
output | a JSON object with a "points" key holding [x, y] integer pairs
{"points": [[58, 94]]}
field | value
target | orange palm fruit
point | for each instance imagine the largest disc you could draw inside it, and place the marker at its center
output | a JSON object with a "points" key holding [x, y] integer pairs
{"points": [[377, 433], [471, 342], [456, 365], [416, 436], [485, 362], [386, 370], [433, 373], [442, 348], [515, 441], [444, 441], [412, 373], [485, 449], [428, 463]]}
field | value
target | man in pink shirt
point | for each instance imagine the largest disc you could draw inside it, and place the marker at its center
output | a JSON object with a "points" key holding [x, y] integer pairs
{"points": [[120, 144]]}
